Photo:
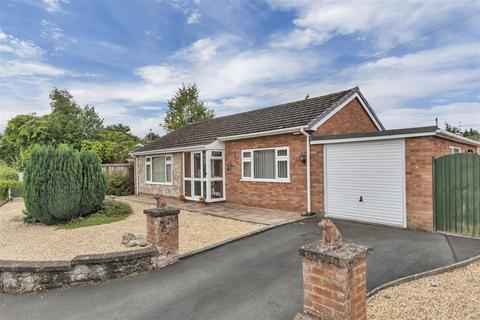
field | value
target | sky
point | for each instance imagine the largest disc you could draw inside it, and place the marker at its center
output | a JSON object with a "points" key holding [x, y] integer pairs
{"points": [[414, 61]]}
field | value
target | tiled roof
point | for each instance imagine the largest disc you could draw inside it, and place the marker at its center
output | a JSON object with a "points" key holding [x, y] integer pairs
{"points": [[287, 115]]}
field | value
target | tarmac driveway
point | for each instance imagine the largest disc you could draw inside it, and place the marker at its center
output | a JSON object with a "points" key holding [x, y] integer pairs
{"points": [[259, 277]]}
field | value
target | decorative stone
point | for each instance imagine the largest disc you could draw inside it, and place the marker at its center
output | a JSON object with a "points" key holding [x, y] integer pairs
{"points": [[341, 257], [142, 240], [127, 237], [331, 235], [133, 243]]}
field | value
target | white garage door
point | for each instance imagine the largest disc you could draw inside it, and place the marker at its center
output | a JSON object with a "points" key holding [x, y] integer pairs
{"points": [[364, 181]]}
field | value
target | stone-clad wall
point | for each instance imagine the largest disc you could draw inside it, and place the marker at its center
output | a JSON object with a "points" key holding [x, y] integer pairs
{"points": [[173, 190], [28, 276]]}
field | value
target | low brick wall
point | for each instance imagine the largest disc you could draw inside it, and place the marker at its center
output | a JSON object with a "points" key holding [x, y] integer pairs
{"points": [[28, 276]]}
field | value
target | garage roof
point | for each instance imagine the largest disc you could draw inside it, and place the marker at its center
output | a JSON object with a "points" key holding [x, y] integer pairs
{"points": [[392, 134]]}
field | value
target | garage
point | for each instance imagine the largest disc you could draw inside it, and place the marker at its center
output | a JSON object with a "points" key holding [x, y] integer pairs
{"points": [[365, 181]]}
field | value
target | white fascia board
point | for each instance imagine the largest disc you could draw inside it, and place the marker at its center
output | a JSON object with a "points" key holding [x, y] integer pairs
{"points": [[359, 139], [341, 106], [262, 133], [169, 150]]}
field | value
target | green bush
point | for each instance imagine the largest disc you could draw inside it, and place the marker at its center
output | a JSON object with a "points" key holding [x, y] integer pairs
{"points": [[5, 185], [7, 173], [94, 183], [113, 208], [53, 184], [119, 185], [112, 211]]}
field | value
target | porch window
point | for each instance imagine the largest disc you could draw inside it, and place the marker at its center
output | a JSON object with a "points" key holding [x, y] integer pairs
{"points": [[269, 164], [158, 169], [454, 150]]}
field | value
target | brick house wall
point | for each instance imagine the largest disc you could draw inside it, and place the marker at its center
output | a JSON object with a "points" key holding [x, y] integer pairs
{"points": [[290, 196], [351, 119], [275, 195], [418, 165], [173, 190]]}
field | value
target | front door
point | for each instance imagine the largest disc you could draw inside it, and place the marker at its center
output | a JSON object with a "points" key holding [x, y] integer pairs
{"points": [[204, 175]]}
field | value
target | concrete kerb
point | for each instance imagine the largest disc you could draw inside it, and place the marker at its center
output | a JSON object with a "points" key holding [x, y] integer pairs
{"points": [[423, 275]]}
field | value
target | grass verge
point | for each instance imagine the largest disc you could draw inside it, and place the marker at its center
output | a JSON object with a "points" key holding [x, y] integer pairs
{"points": [[112, 211]]}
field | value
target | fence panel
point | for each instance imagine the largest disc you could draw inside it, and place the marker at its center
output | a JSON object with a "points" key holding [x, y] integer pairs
{"points": [[456, 185]]}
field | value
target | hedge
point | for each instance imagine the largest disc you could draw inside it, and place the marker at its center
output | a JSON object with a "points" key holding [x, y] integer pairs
{"points": [[119, 185], [5, 185], [94, 183]]}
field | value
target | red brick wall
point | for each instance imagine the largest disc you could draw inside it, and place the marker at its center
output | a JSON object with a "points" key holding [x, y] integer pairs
{"points": [[350, 119], [283, 196], [418, 164]]}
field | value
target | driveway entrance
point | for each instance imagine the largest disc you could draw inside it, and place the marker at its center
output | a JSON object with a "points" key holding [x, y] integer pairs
{"points": [[259, 277]]}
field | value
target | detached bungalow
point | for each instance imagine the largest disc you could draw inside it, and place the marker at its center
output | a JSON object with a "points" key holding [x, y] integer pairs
{"points": [[325, 154]]}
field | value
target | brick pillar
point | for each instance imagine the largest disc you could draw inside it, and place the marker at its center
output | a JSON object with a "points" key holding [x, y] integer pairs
{"points": [[162, 229], [334, 282]]}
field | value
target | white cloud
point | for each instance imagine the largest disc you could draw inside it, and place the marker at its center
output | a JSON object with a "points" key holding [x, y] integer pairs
{"points": [[14, 46], [194, 17], [50, 29], [205, 49], [26, 68], [385, 22], [54, 5]]}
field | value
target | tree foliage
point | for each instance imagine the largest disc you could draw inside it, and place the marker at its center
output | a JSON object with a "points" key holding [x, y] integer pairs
{"points": [[61, 183], [468, 133], [185, 108], [67, 123]]}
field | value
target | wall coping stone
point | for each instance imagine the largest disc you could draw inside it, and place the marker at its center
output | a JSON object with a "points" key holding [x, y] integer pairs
{"points": [[114, 256], [31, 266], [161, 212], [342, 257]]}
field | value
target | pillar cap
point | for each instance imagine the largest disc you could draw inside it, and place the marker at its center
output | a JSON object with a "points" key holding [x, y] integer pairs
{"points": [[344, 256], [161, 212]]}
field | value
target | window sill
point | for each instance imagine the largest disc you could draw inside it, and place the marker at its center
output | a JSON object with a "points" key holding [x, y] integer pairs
{"points": [[160, 183], [266, 180]]}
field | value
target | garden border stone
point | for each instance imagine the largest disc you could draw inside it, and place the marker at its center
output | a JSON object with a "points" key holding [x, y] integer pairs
{"points": [[28, 276]]}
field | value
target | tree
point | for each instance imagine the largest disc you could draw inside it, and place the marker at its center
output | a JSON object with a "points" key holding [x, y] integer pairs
{"points": [[150, 136], [185, 108], [451, 128]]}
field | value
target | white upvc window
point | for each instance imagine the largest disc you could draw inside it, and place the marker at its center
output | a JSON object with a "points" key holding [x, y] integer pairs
{"points": [[454, 150], [266, 164], [158, 169]]}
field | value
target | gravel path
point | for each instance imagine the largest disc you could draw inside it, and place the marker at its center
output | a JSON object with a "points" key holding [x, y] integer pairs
{"points": [[20, 241], [451, 295]]}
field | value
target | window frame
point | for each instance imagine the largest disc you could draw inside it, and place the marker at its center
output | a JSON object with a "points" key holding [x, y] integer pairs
{"points": [[277, 160], [149, 163], [453, 149]]}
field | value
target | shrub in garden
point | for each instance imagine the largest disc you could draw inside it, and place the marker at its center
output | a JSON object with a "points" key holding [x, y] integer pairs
{"points": [[7, 173], [115, 209], [53, 182], [119, 185], [5, 185], [94, 183]]}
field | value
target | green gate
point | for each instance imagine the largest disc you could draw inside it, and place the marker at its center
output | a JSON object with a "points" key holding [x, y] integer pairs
{"points": [[456, 189]]}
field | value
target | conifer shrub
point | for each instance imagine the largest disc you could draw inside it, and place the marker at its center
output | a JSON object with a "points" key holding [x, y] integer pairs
{"points": [[94, 183]]}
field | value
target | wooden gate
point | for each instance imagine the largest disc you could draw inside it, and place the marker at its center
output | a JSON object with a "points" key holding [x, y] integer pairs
{"points": [[456, 191]]}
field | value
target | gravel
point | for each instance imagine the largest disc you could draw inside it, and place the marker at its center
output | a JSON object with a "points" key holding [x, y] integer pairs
{"points": [[450, 295], [20, 241]]}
